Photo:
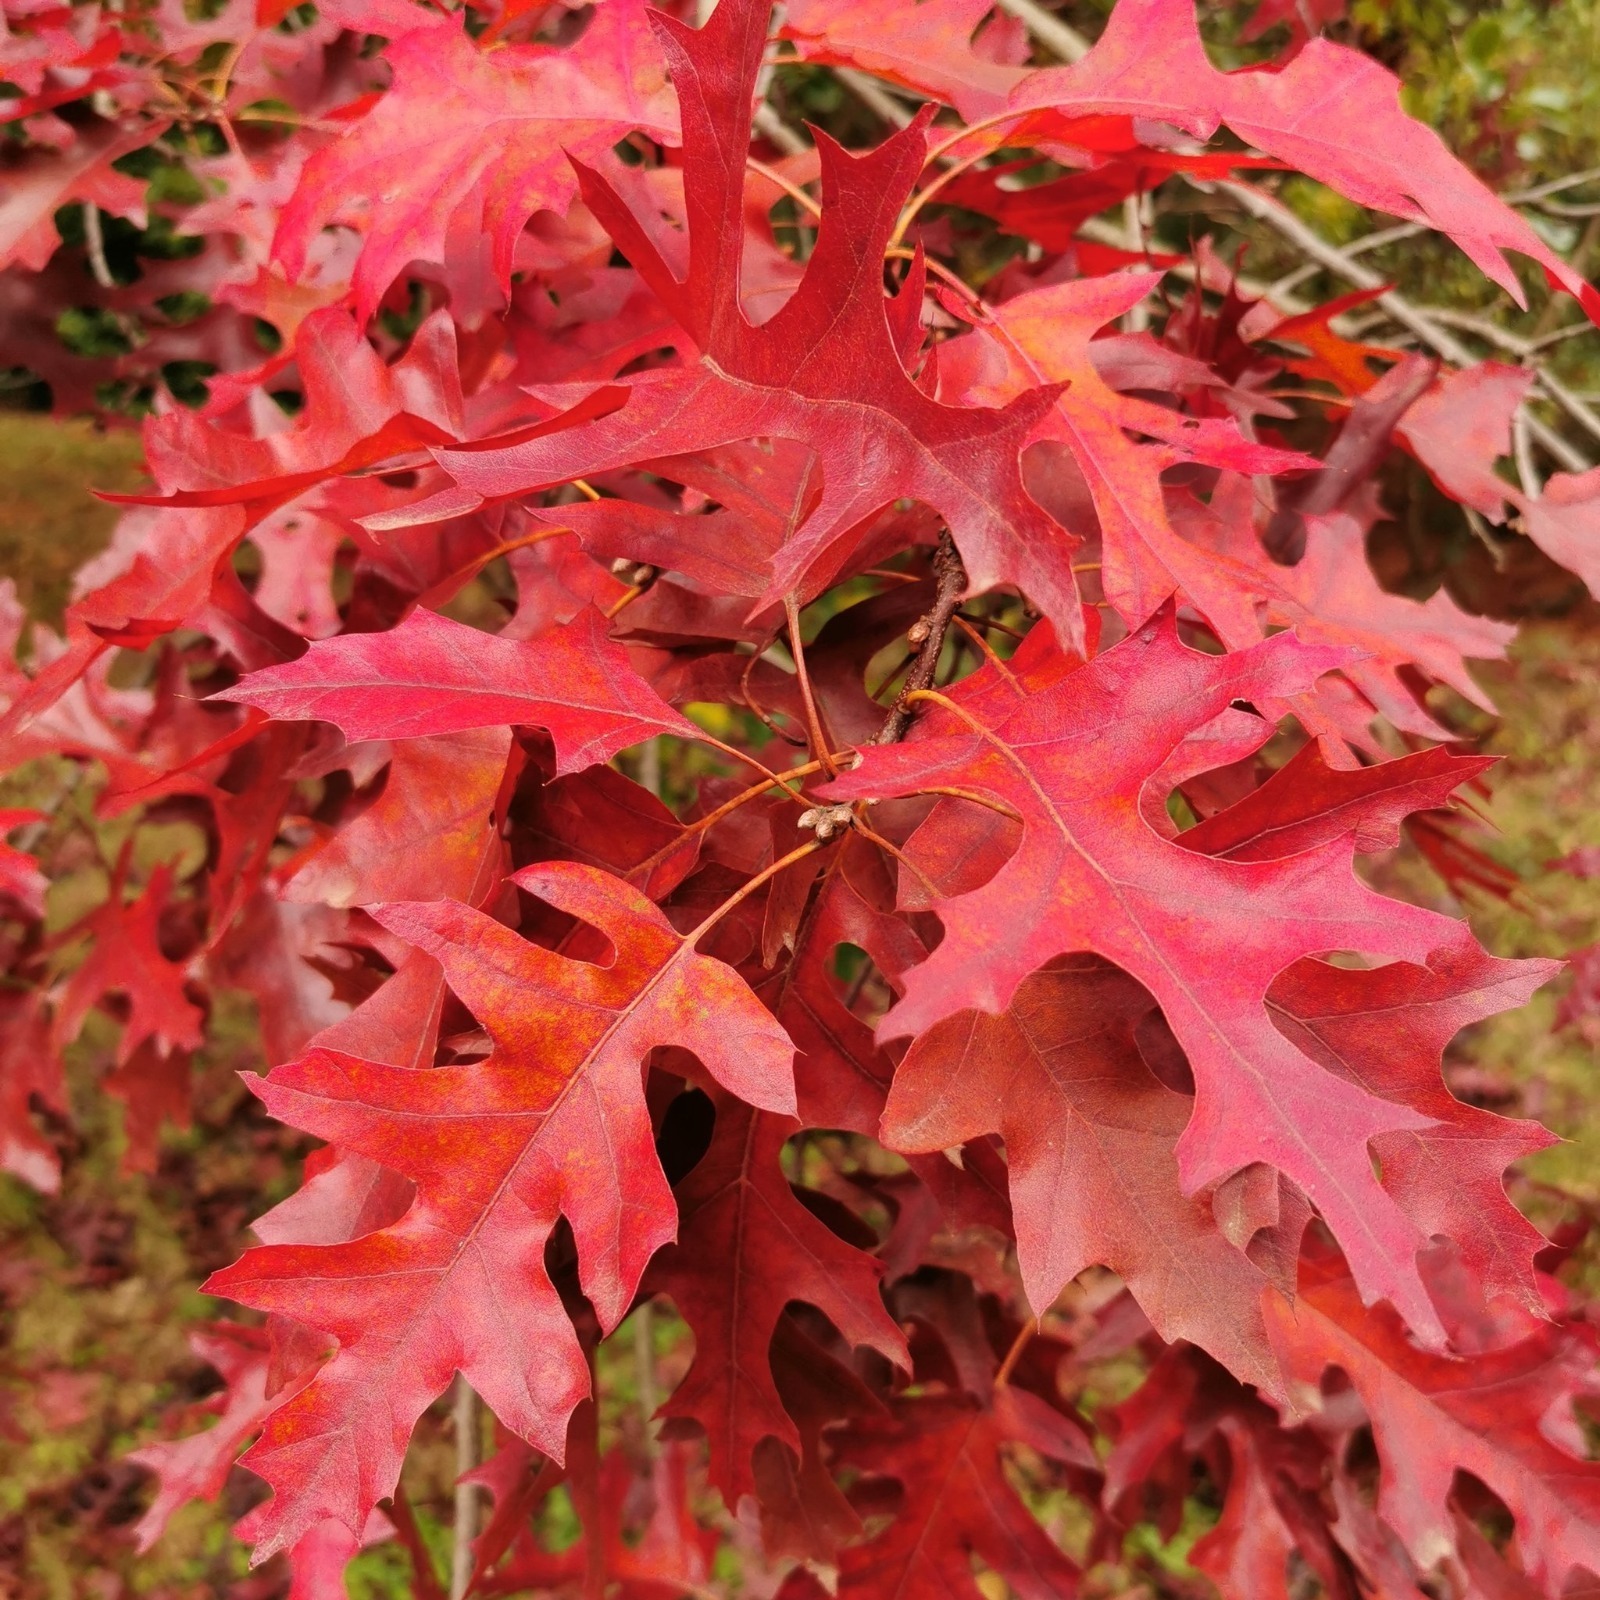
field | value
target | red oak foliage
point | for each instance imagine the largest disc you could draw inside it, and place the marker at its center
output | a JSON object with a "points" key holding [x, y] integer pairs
{"points": [[782, 773]]}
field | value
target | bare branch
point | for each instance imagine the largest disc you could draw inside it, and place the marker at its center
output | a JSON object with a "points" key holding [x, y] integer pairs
{"points": [[1050, 31], [1425, 326], [874, 96], [464, 1525]]}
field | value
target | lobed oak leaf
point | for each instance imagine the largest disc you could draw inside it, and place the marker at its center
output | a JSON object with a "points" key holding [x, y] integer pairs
{"points": [[841, 1072], [41, 183], [468, 143], [358, 410], [1306, 803], [1330, 596], [1188, 1411], [803, 1511], [30, 1068], [1463, 426], [925, 46], [429, 676], [1052, 212], [1332, 113], [746, 1248], [1206, 937], [1043, 337], [1090, 1135], [1386, 1030], [431, 833], [196, 1467], [153, 1086], [552, 1124], [21, 881], [823, 370], [1433, 1417], [640, 1539], [126, 958], [946, 1450], [1564, 521]]}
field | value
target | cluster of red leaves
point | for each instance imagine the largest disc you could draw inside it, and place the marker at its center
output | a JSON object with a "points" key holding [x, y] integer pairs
{"points": [[1033, 1020]]}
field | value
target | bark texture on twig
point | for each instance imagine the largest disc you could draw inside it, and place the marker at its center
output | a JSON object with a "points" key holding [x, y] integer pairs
{"points": [[927, 637]]}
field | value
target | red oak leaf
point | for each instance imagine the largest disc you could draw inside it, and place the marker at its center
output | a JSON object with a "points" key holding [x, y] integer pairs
{"points": [[1090, 1133], [1564, 521], [430, 835], [1206, 937], [1044, 337], [126, 959], [824, 370], [946, 1452], [29, 1067], [41, 182], [1433, 1417], [1386, 1030], [746, 1247], [553, 1123], [21, 881], [1332, 113], [1330, 596], [925, 46], [357, 410], [468, 143], [196, 1467], [431, 676]]}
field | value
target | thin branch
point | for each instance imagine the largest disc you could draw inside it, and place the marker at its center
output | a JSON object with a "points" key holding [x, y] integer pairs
{"points": [[464, 574], [793, 190], [464, 1524], [873, 96], [1570, 402], [998, 806], [929, 193], [94, 242], [749, 760], [799, 853], [1519, 197], [1049, 30], [1522, 453], [771, 126], [1014, 1354], [711, 818], [644, 1368], [890, 848], [768, 721], [814, 728], [927, 636], [1265, 208]]}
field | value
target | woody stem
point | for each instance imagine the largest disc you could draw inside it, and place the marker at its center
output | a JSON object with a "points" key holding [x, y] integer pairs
{"points": [[464, 1526], [1014, 1354], [799, 853], [819, 744], [928, 637], [743, 798]]}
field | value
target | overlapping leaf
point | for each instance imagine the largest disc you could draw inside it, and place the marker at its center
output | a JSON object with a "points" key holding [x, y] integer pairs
{"points": [[823, 370], [552, 1124], [1073, 758]]}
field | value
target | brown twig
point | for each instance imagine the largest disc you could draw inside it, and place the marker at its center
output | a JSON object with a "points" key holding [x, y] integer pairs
{"points": [[927, 635], [797, 649], [799, 853], [711, 818], [1014, 1354]]}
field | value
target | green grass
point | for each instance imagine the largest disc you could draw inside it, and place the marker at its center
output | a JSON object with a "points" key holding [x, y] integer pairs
{"points": [[52, 523]]}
